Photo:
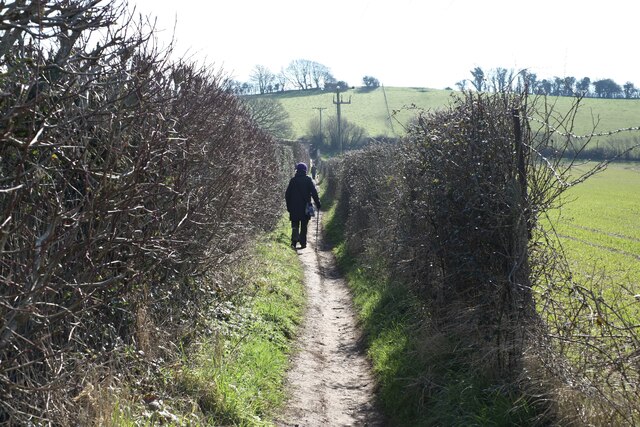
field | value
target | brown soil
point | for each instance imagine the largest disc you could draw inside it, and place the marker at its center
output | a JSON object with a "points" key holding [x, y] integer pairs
{"points": [[330, 383]]}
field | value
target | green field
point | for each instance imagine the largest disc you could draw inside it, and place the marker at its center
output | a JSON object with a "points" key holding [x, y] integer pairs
{"points": [[368, 109], [599, 227]]}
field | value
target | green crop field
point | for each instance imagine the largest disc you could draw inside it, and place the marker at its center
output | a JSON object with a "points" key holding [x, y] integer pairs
{"points": [[369, 110], [599, 226]]}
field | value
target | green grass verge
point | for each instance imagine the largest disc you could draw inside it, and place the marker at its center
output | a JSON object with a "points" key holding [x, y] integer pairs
{"points": [[421, 379], [235, 373]]}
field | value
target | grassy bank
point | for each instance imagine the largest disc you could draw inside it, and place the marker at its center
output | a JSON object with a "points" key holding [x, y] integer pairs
{"points": [[422, 379], [233, 373]]}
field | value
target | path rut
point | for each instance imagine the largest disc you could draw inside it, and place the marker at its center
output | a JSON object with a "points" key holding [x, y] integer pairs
{"points": [[330, 383]]}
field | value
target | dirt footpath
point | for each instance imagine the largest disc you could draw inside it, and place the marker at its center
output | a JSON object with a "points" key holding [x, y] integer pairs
{"points": [[330, 383]]}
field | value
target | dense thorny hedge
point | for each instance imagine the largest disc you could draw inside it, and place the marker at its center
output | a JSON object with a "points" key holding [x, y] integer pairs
{"points": [[128, 185], [452, 212], [447, 210]]}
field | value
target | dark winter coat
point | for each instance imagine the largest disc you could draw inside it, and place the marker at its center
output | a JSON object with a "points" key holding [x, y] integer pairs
{"points": [[299, 192]]}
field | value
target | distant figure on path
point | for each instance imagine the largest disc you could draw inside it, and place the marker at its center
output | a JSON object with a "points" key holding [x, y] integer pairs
{"points": [[314, 170], [298, 196]]}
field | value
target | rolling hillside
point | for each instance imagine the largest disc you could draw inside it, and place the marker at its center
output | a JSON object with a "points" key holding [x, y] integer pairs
{"points": [[369, 110]]}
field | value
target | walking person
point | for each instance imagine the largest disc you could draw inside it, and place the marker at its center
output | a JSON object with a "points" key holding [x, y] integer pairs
{"points": [[298, 196], [314, 170]]}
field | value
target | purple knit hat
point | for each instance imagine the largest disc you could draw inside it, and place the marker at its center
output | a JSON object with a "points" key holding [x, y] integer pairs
{"points": [[301, 167]]}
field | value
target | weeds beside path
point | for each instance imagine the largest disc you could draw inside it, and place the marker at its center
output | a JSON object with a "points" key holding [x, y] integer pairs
{"points": [[330, 382]]}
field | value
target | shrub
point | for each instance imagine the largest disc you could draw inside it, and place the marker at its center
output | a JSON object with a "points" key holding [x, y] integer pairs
{"points": [[130, 184], [452, 213]]}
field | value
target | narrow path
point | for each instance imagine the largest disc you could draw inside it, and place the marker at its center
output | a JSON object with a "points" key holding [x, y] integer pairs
{"points": [[331, 383]]}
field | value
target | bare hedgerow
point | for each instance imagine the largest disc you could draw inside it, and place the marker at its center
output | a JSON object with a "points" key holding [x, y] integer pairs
{"points": [[454, 212], [128, 186]]}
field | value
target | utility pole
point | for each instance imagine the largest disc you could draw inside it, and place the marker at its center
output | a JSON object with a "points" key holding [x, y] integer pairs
{"points": [[320, 111], [321, 134], [388, 113], [338, 101]]}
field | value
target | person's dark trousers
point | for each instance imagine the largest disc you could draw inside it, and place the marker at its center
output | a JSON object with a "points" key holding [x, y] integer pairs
{"points": [[299, 232]]}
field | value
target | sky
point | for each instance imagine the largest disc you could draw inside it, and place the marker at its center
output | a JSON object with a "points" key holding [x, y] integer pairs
{"points": [[406, 43]]}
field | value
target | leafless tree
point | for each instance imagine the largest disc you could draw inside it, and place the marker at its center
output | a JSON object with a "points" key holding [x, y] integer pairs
{"points": [[298, 72], [479, 79], [353, 136], [282, 80], [501, 79], [320, 74], [270, 115], [304, 74], [462, 84], [263, 78]]}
